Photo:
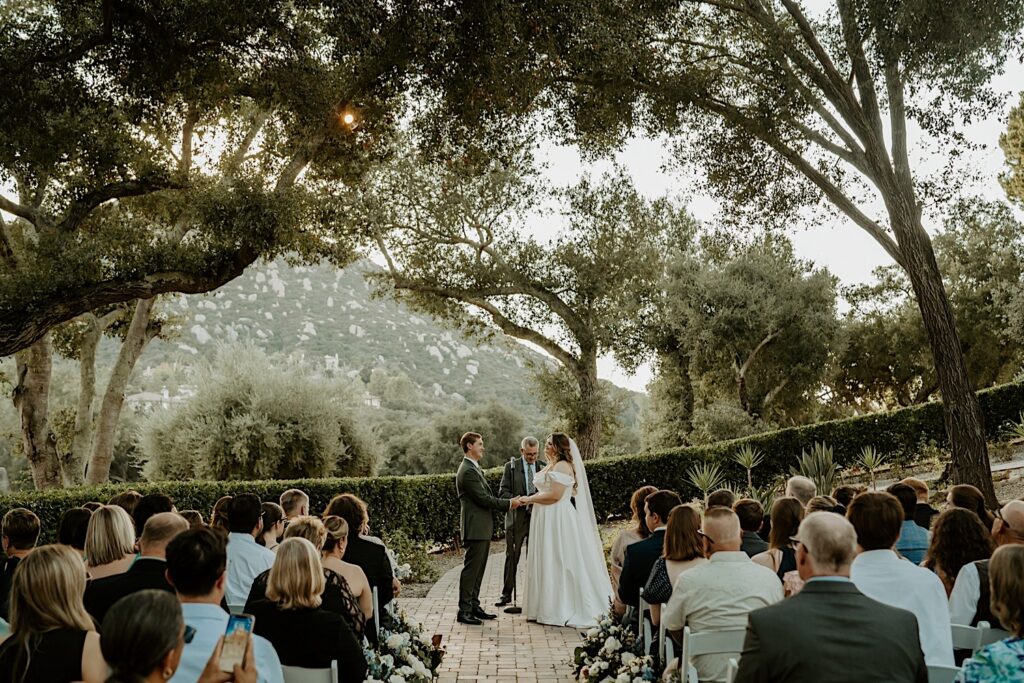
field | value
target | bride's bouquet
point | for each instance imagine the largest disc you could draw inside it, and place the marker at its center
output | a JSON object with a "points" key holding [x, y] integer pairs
{"points": [[404, 653], [612, 652]]}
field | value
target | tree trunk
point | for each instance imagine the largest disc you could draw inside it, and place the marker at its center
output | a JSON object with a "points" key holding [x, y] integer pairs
{"points": [[588, 434], [73, 462], [961, 411], [31, 399], [113, 398]]}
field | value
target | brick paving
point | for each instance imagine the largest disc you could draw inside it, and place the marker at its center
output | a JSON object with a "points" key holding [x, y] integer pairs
{"points": [[504, 649]]}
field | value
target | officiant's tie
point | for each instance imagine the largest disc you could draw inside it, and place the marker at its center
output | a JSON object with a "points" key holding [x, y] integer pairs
{"points": [[529, 480]]}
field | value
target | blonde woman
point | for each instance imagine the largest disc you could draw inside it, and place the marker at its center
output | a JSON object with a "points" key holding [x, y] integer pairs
{"points": [[52, 636], [109, 542], [351, 575], [292, 619]]}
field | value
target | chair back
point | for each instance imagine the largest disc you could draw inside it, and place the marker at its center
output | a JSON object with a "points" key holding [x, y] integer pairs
{"points": [[730, 673], [989, 635], [646, 626], [666, 646], [708, 643], [298, 674], [942, 674], [376, 613], [236, 609]]}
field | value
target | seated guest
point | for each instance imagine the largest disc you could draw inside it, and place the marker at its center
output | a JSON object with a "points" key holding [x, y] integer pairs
{"points": [[879, 573], [19, 532], [969, 602], [368, 555], [196, 563], [641, 556], [636, 531], [273, 525], [830, 631], [684, 550], [126, 499], [74, 523], [194, 518], [148, 571], [352, 576], [149, 505], [924, 513], [295, 503], [291, 618], [52, 637], [721, 498], [958, 539], [801, 488], [845, 494], [781, 555], [93, 506], [219, 514], [109, 542], [970, 498], [718, 595], [751, 516], [824, 504], [1003, 660], [246, 558], [913, 541]]}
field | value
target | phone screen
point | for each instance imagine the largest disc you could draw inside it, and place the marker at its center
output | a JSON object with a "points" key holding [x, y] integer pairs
{"points": [[235, 640]]}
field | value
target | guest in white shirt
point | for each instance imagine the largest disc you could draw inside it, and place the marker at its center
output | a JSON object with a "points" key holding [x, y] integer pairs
{"points": [[718, 595], [879, 573], [246, 558], [969, 601], [196, 563]]}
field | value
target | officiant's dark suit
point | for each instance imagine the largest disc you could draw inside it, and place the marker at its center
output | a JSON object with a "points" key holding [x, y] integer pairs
{"points": [[476, 527], [516, 480]]}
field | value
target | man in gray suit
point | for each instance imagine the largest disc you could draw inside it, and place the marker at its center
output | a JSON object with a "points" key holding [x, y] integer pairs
{"points": [[517, 480], [830, 631], [476, 526]]}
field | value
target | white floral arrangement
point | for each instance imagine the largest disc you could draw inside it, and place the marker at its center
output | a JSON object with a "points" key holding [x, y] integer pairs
{"points": [[404, 654], [402, 571], [611, 653]]}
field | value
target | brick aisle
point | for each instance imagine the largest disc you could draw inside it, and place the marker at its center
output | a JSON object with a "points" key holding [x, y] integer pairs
{"points": [[504, 649]]}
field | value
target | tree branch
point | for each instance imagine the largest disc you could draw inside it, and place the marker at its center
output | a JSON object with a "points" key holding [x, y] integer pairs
{"points": [[81, 208], [30, 214]]}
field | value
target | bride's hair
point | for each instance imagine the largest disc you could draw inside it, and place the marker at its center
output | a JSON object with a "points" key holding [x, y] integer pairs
{"points": [[563, 451]]}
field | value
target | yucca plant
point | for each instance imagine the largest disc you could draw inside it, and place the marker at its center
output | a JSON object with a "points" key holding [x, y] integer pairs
{"points": [[871, 460], [707, 476], [1015, 430], [819, 466], [748, 458], [766, 496]]}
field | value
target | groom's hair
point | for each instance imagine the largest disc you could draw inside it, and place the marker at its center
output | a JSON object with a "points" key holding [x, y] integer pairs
{"points": [[468, 439]]}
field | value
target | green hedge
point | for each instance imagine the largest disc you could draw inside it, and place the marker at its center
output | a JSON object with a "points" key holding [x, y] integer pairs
{"points": [[426, 507]]}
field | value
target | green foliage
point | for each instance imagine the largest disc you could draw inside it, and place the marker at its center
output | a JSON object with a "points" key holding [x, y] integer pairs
{"points": [[748, 458], [255, 415], [871, 460], [819, 466], [1015, 430], [1012, 142], [706, 477], [415, 554]]}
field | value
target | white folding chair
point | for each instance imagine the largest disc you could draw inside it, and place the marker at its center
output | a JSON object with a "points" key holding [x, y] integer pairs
{"points": [[966, 637], [297, 674], [646, 626], [942, 674], [730, 673], [376, 613], [236, 609], [708, 643], [666, 646], [989, 635]]}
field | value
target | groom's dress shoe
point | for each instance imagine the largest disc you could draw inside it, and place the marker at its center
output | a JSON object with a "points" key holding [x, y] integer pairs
{"points": [[464, 618], [480, 614], [504, 601]]}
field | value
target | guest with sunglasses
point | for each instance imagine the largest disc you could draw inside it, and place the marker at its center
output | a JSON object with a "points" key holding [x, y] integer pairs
{"points": [[970, 601]]}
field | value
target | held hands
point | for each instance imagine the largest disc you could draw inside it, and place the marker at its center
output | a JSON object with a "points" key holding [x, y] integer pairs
{"points": [[518, 502]]}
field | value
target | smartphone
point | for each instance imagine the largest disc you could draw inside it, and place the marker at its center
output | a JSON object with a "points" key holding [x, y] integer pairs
{"points": [[236, 639]]}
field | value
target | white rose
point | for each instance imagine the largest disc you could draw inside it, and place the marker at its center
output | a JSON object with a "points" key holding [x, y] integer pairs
{"points": [[395, 678], [628, 657], [393, 642], [387, 660], [406, 671], [623, 678], [593, 633], [612, 644]]}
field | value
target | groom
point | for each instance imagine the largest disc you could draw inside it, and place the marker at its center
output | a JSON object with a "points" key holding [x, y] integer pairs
{"points": [[476, 526]]}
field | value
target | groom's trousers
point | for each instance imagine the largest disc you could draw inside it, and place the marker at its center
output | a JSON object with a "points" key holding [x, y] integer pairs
{"points": [[472, 576]]}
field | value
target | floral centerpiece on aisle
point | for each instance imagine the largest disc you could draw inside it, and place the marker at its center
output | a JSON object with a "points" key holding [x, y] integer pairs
{"points": [[611, 652], [404, 653]]}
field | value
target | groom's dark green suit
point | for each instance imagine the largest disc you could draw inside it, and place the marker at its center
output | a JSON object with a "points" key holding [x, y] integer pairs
{"points": [[476, 527]]}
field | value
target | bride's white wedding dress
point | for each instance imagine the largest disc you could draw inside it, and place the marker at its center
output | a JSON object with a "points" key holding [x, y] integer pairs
{"points": [[567, 580]]}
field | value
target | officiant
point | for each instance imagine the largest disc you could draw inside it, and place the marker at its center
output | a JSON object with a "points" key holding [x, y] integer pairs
{"points": [[517, 480]]}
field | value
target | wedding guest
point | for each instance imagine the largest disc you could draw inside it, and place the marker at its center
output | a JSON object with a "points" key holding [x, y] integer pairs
{"points": [[830, 631], [641, 556], [352, 576], [913, 541], [246, 558], [751, 516], [72, 528], [825, 504], [1002, 660], [219, 514], [194, 518], [93, 506], [958, 539], [970, 498], [149, 505], [718, 595], [924, 513], [109, 542], [52, 637], [636, 531], [683, 550], [879, 573], [368, 555], [126, 499], [291, 618], [147, 572], [295, 503], [970, 601], [19, 532], [721, 498], [308, 527], [780, 557], [801, 488], [272, 515], [845, 494], [196, 563]]}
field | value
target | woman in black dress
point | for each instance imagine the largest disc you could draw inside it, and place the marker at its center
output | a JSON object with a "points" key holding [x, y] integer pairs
{"points": [[52, 637], [787, 513]]}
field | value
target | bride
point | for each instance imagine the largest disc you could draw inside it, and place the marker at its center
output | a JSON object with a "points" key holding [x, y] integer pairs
{"points": [[567, 580]]}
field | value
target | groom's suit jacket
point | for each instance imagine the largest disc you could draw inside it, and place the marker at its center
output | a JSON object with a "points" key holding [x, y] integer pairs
{"points": [[513, 483], [476, 521]]}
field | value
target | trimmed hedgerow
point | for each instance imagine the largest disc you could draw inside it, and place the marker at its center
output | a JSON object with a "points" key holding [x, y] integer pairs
{"points": [[426, 508]]}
